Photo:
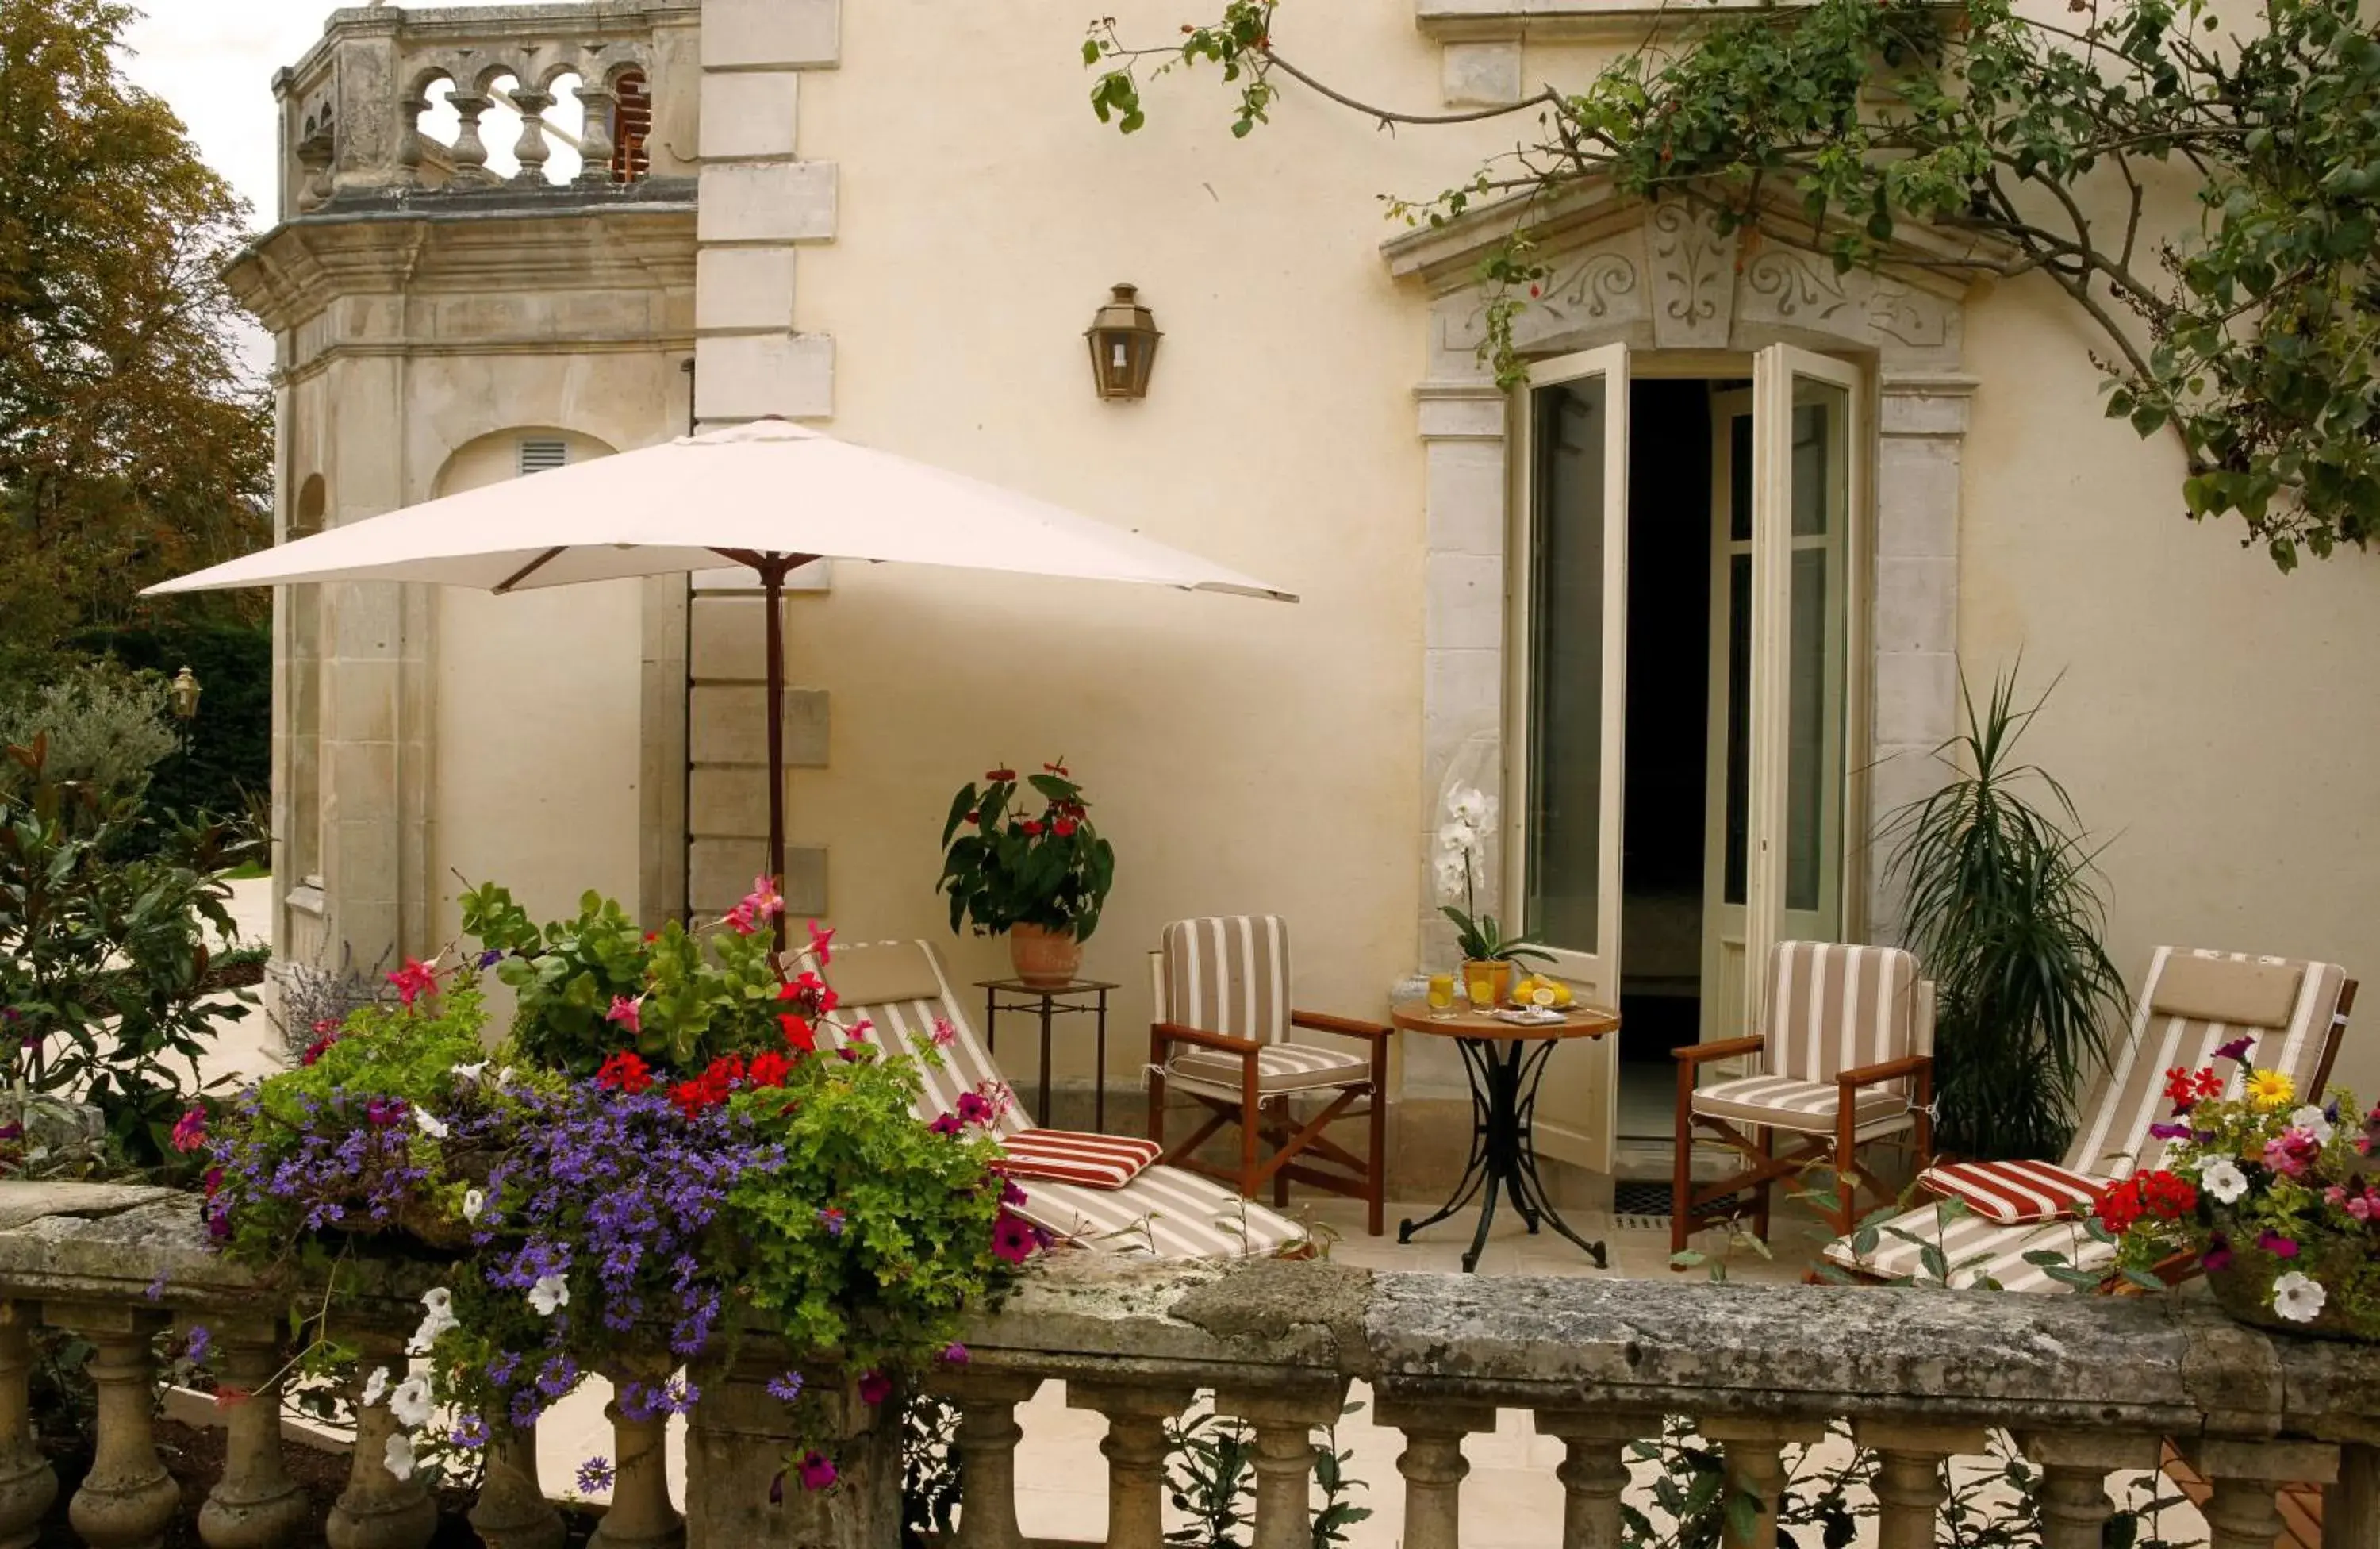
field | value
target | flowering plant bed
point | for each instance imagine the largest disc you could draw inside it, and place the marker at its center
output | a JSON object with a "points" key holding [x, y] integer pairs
{"points": [[629, 1194], [2276, 1198]]}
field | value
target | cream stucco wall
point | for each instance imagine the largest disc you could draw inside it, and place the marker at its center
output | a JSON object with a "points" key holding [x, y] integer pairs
{"points": [[2217, 722], [1245, 756]]}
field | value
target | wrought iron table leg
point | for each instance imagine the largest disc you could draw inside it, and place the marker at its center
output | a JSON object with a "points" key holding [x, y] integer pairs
{"points": [[1475, 1167], [1504, 1077]]}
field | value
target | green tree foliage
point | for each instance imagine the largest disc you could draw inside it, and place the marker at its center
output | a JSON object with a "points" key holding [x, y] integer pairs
{"points": [[132, 443], [1827, 126]]}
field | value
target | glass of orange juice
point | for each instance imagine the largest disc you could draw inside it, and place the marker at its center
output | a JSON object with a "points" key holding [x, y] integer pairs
{"points": [[1441, 995]]}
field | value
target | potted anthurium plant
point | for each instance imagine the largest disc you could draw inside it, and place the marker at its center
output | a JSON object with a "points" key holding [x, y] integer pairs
{"points": [[683, 1143], [1488, 953], [1039, 875], [2277, 1198]]}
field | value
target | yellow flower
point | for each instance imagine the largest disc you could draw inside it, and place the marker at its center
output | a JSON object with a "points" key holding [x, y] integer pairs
{"points": [[2271, 1089]]}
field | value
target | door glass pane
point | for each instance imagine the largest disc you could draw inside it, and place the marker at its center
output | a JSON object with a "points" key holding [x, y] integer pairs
{"points": [[1565, 776], [1738, 719], [1814, 658]]}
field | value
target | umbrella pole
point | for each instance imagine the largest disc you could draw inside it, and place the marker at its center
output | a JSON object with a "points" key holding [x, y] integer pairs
{"points": [[772, 580]]}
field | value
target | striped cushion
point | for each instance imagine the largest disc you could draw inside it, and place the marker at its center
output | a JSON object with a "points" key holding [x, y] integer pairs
{"points": [[1281, 1067], [1809, 1107], [1072, 1156], [2013, 1193], [1229, 975], [2114, 1138], [1165, 1213], [1833, 1007]]}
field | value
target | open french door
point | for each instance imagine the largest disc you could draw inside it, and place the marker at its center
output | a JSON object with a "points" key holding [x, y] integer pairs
{"points": [[1808, 602], [1564, 754]]}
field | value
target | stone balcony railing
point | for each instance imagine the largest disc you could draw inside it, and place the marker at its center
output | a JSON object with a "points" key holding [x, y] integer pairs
{"points": [[353, 109], [2088, 1386]]}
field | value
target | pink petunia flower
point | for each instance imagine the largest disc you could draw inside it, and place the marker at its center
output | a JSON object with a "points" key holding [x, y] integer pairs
{"points": [[629, 1014], [817, 1471], [2277, 1246]]}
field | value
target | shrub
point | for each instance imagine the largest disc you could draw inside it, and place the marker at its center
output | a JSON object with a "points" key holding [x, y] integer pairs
{"points": [[105, 728]]}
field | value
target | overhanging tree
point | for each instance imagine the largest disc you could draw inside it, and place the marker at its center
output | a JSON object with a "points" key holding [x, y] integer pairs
{"points": [[133, 446], [2252, 336]]}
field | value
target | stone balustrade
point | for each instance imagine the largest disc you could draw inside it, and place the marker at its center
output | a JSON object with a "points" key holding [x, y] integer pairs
{"points": [[2089, 1386], [353, 109]]}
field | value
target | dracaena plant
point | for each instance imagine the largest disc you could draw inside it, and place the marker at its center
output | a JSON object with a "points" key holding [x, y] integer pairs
{"points": [[1024, 852]]}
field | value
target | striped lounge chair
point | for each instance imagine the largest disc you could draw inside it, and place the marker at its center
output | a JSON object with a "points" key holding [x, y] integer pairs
{"points": [[2193, 1003], [1845, 1057], [1161, 1213]]}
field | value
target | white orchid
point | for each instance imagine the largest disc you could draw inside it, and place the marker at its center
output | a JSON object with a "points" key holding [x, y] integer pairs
{"points": [[2314, 1122], [2222, 1179], [2299, 1297], [1458, 838], [551, 1292], [431, 1125], [376, 1386], [409, 1402], [398, 1458], [473, 1203], [470, 1072], [1471, 805], [1451, 874]]}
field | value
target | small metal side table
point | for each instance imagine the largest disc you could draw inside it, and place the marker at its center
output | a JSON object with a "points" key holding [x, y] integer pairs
{"points": [[1077, 997]]}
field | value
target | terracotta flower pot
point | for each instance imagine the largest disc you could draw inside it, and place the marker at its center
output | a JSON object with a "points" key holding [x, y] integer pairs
{"points": [[1044, 958], [1499, 974]]}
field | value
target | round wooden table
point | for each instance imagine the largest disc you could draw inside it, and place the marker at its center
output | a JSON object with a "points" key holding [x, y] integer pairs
{"points": [[1505, 1061]]}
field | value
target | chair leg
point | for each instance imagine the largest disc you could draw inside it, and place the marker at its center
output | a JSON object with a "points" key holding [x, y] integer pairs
{"points": [[1760, 1202], [1681, 1171], [1376, 1219], [1156, 1091], [1280, 1179], [1251, 1131], [1846, 1160]]}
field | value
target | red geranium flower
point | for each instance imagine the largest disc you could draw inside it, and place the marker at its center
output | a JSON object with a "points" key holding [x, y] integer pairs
{"points": [[2168, 1196], [2119, 1206], [625, 1071], [800, 1036], [769, 1069]]}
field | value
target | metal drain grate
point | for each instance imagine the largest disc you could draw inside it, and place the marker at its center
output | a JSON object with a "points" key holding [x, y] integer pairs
{"points": [[1638, 1207]]}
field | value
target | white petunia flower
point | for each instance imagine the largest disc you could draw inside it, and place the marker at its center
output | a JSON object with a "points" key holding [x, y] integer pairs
{"points": [[431, 1125], [2222, 1179], [473, 1202], [551, 1291], [376, 1386], [2299, 1297], [410, 1402], [2312, 1119], [440, 1300], [470, 1072], [504, 1077], [398, 1458]]}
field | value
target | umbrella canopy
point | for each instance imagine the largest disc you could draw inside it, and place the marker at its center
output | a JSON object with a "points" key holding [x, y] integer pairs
{"points": [[769, 495], [712, 501]]}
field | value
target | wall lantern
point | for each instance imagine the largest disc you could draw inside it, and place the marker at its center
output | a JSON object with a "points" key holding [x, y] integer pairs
{"points": [[185, 692], [1124, 346]]}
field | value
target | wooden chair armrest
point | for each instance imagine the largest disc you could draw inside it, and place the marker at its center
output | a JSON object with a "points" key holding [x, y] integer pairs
{"points": [[1726, 1048], [1321, 1021], [1889, 1070], [1161, 1033]]}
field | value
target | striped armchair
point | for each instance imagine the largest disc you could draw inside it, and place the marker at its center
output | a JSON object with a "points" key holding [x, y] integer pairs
{"points": [[1844, 1056], [1223, 1038]]}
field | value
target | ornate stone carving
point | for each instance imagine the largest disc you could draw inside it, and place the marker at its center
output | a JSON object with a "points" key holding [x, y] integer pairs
{"points": [[1694, 276], [1804, 288]]}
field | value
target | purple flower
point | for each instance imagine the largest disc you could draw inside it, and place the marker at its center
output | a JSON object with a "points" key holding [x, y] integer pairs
{"points": [[595, 1474], [489, 959], [2276, 1245], [945, 1124], [2217, 1257], [2171, 1131], [470, 1431], [831, 1219], [817, 1470], [557, 1376], [1010, 1194], [875, 1388], [2237, 1049], [383, 1113], [955, 1354], [197, 1347], [502, 1366], [156, 1290], [786, 1387]]}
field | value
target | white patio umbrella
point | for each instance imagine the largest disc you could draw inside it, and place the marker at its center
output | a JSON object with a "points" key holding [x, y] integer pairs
{"points": [[770, 496]]}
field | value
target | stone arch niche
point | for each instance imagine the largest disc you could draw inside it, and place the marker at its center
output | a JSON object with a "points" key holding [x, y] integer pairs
{"points": [[1664, 277]]}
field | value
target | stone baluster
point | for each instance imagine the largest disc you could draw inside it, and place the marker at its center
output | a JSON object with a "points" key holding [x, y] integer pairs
{"points": [[640, 1516], [987, 1445], [469, 151], [1135, 1450], [378, 1510], [27, 1484], [2240, 1514], [1433, 1464], [127, 1500], [1909, 1483], [1594, 1470], [410, 150], [1755, 1467], [512, 1511], [256, 1504], [2350, 1508], [2075, 1466], [595, 106], [1285, 1419], [531, 149]]}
